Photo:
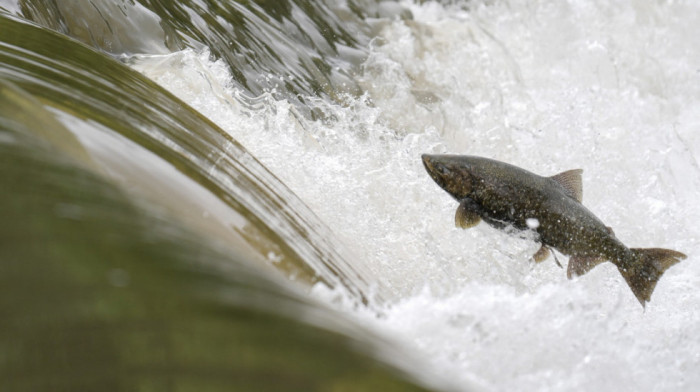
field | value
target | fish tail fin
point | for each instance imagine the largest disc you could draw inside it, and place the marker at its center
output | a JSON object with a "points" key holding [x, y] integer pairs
{"points": [[646, 267]]}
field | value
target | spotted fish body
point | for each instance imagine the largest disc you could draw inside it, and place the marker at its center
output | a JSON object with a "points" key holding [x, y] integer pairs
{"points": [[504, 195]]}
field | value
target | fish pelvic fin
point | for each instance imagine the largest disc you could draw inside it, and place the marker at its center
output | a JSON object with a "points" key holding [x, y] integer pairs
{"points": [[646, 268], [542, 254]]}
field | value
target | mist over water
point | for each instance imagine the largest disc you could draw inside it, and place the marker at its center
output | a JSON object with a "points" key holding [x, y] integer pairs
{"points": [[613, 89]]}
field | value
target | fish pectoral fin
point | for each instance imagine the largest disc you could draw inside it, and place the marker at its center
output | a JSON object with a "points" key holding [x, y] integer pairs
{"points": [[571, 182], [580, 265], [541, 254], [466, 217]]}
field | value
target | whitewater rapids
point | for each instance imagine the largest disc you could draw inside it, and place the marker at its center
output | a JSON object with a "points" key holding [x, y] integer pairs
{"points": [[611, 88]]}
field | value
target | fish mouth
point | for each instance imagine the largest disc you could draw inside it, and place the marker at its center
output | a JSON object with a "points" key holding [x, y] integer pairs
{"points": [[434, 164], [435, 168], [450, 172], [427, 162]]}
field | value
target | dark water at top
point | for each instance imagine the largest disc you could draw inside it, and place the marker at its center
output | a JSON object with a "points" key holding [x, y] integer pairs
{"points": [[292, 47]]}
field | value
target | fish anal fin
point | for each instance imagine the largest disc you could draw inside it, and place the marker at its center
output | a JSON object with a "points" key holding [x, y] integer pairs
{"points": [[580, 265], [466, 217], [541, 254], [571, 182]]}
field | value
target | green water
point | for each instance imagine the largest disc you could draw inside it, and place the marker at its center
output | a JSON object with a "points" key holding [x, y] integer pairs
{"points": [[111, 280]]}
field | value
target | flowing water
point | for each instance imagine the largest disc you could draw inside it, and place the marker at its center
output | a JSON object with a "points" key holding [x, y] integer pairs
{"points": [[302, 152]]}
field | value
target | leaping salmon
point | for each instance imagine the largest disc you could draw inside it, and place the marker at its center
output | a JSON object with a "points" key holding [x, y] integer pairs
{"points": [[505, 195]]}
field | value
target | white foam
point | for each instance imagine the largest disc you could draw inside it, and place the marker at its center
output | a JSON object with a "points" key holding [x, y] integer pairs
{"points": [[613, 89]]}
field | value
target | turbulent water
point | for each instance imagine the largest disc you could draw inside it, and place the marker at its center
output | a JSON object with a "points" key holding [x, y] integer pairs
{"points": [[338, 101]]}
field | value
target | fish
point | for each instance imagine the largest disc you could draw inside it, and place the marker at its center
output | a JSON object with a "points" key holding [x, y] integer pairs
{"points": [[505, 196]]}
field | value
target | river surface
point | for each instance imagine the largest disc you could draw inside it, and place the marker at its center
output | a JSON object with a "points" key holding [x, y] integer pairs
{"points": [[250, 172]]}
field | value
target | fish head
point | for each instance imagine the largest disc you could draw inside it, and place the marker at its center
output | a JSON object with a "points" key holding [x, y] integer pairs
{"points": [[452, 173]]}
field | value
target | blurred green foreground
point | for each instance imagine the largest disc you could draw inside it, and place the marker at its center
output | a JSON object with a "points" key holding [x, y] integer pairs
{"points": [[104, 290]]}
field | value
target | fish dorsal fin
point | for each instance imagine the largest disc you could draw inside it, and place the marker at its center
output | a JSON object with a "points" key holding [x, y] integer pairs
{"points": [[571, 182]]}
